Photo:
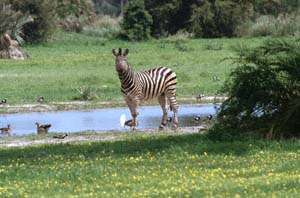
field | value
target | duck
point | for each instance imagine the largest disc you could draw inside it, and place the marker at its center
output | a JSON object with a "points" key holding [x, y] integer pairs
{"points": [[6, 130], [128, 123], [3, 101], [197, 118], [41, 99], [42, 128], [209, 117], [199, 97], [61, 136]]}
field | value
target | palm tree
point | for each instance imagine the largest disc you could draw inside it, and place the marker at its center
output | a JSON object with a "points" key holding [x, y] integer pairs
{"points": [[11, 23]]}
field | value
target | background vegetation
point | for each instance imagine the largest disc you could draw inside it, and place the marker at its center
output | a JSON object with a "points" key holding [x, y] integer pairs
{"points": [[70, 44]]}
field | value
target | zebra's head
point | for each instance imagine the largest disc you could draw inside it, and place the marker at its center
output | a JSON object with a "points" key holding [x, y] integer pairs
{"points": [[121, 63]]}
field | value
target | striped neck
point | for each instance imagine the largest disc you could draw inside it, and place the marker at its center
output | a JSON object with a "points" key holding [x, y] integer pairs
{"points": [[127, 80]]}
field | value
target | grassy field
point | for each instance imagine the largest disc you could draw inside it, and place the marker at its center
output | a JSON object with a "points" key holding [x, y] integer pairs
{"points": [[70, 61], [152, 165], [139, 164]]}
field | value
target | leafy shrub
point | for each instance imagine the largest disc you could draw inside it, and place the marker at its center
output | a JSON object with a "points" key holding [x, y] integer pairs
{"points": [[264, 25], [169, 16], [75, 8], [213, 46], [87, 93], [218, 18], [136, 24], [12, 22], [269, 25], [180, 36], [74, 15], [107, 8], [263, 91], [44, 18], [103, 26]]}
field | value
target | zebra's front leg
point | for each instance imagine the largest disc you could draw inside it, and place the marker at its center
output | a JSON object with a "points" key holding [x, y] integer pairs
{"points": [[132, 104], [164, 106]]}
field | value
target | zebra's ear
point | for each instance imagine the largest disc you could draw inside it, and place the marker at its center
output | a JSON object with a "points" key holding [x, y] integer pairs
{"points": [[114, 52], [126, 52]]}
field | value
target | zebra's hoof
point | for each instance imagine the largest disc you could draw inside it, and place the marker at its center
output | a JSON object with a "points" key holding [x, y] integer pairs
{"points": [[161, 127], [175, 127]]}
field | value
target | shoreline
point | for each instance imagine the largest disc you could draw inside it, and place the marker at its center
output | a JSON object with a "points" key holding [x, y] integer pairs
{"points": [[85, 136], [81, 105]]}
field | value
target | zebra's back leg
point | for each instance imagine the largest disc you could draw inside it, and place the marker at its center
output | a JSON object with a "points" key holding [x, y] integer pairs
{"points": [[174, 106], [133, 104], [164, 106]]}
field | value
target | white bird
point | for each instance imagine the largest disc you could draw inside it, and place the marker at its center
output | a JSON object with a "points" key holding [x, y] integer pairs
{"points": [[122, 120]]}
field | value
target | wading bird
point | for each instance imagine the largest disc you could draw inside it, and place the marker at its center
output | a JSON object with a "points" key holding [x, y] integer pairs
{"points": [[42, 128], [6, 130]]}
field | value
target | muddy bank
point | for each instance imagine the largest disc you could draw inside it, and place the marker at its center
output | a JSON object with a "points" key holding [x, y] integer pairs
{"points": [[77, 105], [31, 140]]}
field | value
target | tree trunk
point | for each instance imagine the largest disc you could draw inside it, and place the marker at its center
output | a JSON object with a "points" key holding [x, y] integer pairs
{"points": [[122, 7], [9, 48]]}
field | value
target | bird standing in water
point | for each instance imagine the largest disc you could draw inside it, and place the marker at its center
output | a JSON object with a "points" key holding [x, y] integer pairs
{"points": [[42, 128], [6, 130]]}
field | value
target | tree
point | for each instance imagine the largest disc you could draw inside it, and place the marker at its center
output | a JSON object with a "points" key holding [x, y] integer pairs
{"points": [[137, 22], [11, 24]]}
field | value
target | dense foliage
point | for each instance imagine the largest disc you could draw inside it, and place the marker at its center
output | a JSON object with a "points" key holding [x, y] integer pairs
{"points": [[206, 18], [219, 18], [43, 14], [263, 91], [108, 7], [136, 24], [74, 7], [12, 22]]}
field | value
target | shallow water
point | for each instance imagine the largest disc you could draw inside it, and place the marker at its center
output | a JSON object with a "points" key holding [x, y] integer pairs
{"points": [[99, 119]]}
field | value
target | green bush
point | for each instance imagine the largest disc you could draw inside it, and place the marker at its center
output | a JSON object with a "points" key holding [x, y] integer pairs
{"points": [[137, 22], [169, 16], [76, 8], [74, 15], [218, 18], [44, 18], [104, 7], [264, 91], [206, 18], [269, 25], [103, 26]]}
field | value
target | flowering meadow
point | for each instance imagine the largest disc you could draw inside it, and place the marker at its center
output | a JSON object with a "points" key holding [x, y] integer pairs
{"points": [[152, 165]]}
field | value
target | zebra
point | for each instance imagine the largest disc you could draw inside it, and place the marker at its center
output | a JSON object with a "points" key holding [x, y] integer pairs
{"points": [[159, 82]]}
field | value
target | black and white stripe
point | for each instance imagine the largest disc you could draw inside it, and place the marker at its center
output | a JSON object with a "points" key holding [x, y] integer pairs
{"points": [[159, 82]]}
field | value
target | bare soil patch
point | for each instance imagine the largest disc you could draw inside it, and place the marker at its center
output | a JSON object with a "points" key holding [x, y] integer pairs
{"points": [[30, 140]]}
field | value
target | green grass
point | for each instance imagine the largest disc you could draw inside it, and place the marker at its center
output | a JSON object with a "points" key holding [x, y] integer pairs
{"points": [[147, 165], [70, 61]]}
